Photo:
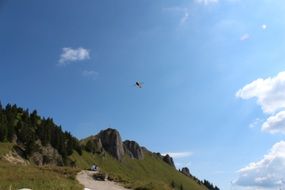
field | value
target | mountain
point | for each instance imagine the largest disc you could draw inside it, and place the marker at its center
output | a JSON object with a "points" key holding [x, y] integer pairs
{"points": [[36, 141], [129, 163]]}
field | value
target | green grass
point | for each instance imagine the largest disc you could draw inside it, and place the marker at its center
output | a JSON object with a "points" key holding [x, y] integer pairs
{"points": [[5, 148], [151, 173], [17, 176]]}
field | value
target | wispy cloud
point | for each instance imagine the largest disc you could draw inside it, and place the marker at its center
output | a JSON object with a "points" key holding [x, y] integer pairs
{"points": [[90, 74], [69, 55], [183, 164], [176, 155], [245, 37], [207, 2], [255, 123], [267, 173], [185, 17], [182, 11]]}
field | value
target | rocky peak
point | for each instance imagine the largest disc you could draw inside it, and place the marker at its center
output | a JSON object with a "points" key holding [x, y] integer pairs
{"points": [[94, 145], [133, 149], [112, 142], [168, 160], [186, 171]]}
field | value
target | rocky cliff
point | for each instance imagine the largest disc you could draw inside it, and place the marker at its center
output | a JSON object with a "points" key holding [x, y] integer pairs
{"points": [[168, 160], [46, 155], [112, 142], [186, 171], [133, 149]]}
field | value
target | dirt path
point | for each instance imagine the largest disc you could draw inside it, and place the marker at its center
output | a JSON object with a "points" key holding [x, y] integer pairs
{"points": [[85, 178]]}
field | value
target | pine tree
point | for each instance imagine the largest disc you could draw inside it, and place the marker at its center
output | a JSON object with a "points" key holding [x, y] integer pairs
{"points": [[29, 127], [3, 126], [90, 147]]}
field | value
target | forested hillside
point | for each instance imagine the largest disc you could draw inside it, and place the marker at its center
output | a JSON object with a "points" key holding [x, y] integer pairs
{"points": [[31, 131], [38, 140]]}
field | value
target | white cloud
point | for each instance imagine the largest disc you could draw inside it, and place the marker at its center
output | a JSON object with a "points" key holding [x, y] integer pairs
{"points": [[264, 26], [176, 155], [270, 92], [90, 74], [245, 37], [255, 123], [267, 173], [275, 123], [69, 55], [207, 2]]}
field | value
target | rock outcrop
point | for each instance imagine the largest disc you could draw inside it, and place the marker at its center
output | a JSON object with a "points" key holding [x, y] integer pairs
{"points": [[98, 145], [94, 145], [112, 142], [14, 158], [133, 149], [144, 149], [168, 160], [186, 171], [47, 155]]}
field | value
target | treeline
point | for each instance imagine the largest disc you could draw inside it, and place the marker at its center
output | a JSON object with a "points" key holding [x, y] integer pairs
{"points": [[210, 186], [205, 182], [27, 128]]}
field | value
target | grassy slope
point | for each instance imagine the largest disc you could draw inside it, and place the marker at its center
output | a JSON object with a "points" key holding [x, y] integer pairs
{"points": [[5, 148], [44, 178], [151, 172]]}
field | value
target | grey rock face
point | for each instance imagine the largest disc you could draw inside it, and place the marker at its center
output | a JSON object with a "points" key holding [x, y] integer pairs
{"points": [[94, 145], [51, 156], [168, 160], [98, 145], [47, 155], [37, 158], [133, 149], [186, 171], [145, 149], [112, 142]]}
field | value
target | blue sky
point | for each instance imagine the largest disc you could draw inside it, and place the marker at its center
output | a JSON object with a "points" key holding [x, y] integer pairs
{"points": [[77, 61]]}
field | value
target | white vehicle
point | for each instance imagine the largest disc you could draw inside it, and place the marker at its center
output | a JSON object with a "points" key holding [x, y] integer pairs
{"points": [[93, 167]]}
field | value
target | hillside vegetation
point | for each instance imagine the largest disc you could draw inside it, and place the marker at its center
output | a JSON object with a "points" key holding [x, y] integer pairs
{"points": [[151, 173], [33, 133], [15, 176], [36, 153]]}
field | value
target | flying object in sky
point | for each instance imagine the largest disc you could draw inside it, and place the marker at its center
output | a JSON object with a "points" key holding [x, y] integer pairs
{"points": [[138, 84]]}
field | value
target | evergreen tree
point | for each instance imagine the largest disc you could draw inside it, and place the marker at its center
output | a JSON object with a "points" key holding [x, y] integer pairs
{"points": [[30, 127], [90, 146], [3, 127], [27, 136]]}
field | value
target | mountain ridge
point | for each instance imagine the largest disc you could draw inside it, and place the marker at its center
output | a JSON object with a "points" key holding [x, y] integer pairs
{"points": [[41, 142]]}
